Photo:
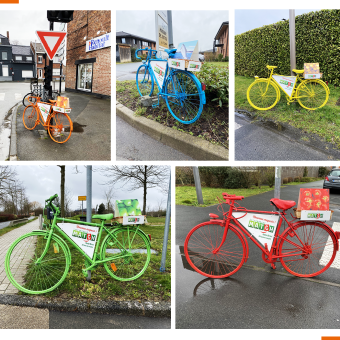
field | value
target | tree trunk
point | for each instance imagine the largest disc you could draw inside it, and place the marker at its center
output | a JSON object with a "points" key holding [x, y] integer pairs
{"points": [[62, 190]]}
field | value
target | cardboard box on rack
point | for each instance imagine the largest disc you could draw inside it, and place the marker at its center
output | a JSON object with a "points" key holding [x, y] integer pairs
{"points": [[186, 57], [313, 199], [62, 105], [312, 71]]}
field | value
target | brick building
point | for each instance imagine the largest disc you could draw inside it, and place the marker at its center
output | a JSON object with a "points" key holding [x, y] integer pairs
{"points": [[88, 57], [221, 41]]}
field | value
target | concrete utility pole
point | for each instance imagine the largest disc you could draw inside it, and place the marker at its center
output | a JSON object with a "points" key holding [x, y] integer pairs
{"points": [[292, 40], [277, 183], [171, 37], [198, 185]]}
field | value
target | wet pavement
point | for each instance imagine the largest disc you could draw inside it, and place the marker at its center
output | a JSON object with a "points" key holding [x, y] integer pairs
{"points": [[127, 71], [256, 296]]}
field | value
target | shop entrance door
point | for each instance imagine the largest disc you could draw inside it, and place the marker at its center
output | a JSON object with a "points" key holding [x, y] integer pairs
{"points": [[84, 81]]}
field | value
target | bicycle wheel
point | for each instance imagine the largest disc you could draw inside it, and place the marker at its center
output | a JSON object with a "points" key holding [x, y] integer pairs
{"points": [[59, 127], [55, 95], [144, 81], [30, 117], [29, 276], [308, 250], [312, 94], [262, 95], [31, 100], [182, 96], [203, 239], [128, 253]]}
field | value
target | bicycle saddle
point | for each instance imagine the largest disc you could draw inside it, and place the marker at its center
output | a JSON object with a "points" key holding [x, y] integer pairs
{"points": [[282, 204], [298, 71], [271, 67], [170, 51], [104, 216]]}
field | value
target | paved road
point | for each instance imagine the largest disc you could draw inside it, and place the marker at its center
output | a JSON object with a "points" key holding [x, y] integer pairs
{"points": [[255, 142], [134, 145], [256, 296], [125, 71]]}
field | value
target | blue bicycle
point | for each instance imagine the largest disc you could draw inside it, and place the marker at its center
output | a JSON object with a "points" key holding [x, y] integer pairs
{"points": [[181, 90]]}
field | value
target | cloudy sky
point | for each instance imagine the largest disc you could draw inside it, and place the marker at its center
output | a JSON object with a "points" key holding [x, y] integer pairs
{"points": [[22, 25], [187, 25], [246, 20], [42, 182]]}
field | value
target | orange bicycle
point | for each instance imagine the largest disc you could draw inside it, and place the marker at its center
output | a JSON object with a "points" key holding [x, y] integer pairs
{"points": [[58, 124]]}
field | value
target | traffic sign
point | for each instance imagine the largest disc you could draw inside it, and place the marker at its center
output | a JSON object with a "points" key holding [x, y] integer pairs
{"points": [[81, 198], [51, 41]]}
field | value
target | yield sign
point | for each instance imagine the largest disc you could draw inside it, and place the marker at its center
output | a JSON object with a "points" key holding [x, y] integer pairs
{"points": [[51, 41]]}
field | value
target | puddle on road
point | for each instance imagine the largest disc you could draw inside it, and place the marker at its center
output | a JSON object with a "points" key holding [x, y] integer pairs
{"points": [[77, 127], [207, 285]]}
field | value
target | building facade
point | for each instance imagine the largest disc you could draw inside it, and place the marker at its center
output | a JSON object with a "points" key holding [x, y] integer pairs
{"points": [[221, 40], [88, 57], [17, 62], [134, 41]]}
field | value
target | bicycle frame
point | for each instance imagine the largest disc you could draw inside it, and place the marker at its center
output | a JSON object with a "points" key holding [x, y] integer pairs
{"points": [[271, 254], [292, 96], [93, 261]]}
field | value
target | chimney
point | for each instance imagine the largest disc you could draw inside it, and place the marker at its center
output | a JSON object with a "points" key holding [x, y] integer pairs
{"points": [[8, 36]]}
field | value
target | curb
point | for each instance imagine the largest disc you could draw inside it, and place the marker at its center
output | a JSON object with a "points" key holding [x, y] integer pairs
{"points": [[149, 309], [195, 147]]}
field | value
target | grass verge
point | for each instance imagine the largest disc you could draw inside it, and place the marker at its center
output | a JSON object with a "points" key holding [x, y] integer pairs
{"points": [[218, 64], [16, 226]]}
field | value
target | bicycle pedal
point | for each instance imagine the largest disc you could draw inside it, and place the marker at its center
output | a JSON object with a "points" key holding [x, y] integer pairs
{"points": [[155, 105]]}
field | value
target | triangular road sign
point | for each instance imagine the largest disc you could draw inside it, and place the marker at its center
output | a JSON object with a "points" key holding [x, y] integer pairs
{"points": [[51, 41]]}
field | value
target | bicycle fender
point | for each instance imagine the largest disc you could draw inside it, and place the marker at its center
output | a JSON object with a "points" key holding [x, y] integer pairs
{"points": [[56, 236], [335, 234]]}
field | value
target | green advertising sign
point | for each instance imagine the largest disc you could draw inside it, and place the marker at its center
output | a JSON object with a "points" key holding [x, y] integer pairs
{"points": [[129, 207]]}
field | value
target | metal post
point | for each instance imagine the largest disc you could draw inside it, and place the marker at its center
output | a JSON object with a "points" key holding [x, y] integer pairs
{"points": [[171, 37], [277, 183], [292, 40], [198, 185], [166, 229], [88, 203], [61, 70]]}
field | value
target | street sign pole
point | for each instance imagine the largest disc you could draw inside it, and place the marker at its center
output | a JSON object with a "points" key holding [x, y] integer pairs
{"points": [[277, 183], [292, 40], [171, 37], [198, 185], [89, 203]]}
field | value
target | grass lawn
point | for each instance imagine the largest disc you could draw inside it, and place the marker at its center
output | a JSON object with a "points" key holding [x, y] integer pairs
{"points": [[219, 64], [16, 226], [324, 122]]}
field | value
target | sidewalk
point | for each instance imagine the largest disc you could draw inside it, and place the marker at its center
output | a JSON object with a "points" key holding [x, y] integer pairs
{"points": [[90, 139], [5, 242]]}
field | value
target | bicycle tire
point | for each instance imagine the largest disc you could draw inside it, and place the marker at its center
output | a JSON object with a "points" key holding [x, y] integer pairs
{"points": [[318, 251], [136, 248], [312, 94], [59, 126], [183, 96], [144, 81], [55, 95], [262, 98], [33, 100], [32, 278], [30, 117], [203, 239]]}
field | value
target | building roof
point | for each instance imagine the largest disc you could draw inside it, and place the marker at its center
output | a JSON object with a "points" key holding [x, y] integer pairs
{"points": [[37, 46], [21, 50], [2, 36], [221, 29], [122, 34]]}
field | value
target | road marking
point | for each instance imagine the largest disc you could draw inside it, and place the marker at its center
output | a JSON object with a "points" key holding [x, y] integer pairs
{"points": [[327, 253], [2, 96], [237, 126], [18, 96]]}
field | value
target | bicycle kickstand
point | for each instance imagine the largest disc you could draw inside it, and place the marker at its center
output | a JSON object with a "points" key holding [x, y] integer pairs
{"points": [[154, 104]]}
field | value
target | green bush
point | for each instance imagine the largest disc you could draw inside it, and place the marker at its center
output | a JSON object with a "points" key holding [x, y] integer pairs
{"points": [[206, 175], [220, 57], [225, 59], [305, 172], [133, 56], [235, 179], [296, 179], [290, 179], [216, 80], [306, 179], [285, 181], [323, 171]]}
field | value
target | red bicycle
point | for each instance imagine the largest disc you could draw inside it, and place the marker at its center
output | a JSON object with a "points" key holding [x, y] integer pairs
{"points": [[218, 248]]}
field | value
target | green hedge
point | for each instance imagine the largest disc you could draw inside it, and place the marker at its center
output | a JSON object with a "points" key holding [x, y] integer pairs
{"points": [[317, 41]]}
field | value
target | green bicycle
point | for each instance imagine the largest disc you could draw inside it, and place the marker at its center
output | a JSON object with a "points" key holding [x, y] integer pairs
{"points": [[38, 262]]}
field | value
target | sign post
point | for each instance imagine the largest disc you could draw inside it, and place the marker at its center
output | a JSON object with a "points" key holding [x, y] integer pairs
{"points": [[162, 34], [292, 40], [82, 199]]}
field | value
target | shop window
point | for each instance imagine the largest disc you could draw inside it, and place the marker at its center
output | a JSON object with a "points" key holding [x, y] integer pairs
{"points": [[84, 79]]}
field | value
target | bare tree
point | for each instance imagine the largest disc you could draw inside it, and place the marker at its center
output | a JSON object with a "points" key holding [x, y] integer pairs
{"points": [[15, 42], [160, 204], [68, 200], [62, 190], [108, 193], [138, 176]]}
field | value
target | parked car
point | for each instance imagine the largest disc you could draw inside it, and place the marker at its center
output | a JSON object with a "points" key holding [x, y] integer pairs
{"points": [[332, 180]]}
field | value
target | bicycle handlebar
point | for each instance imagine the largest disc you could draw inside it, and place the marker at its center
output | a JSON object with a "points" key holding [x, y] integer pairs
{"points": [[52, 198], [226, 196], [145, 49]]}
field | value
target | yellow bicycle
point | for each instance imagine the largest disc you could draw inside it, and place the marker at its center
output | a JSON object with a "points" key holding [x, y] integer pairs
{"points": [[264, 93]]}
